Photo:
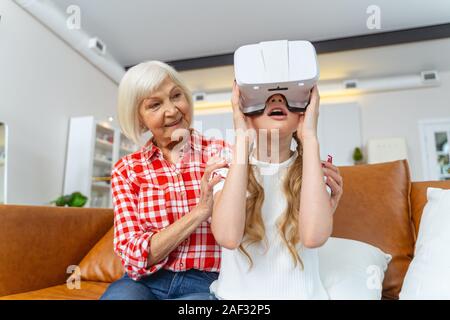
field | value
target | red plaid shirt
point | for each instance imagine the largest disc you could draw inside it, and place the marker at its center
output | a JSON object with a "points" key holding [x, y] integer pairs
{"points": [[150, 193]]}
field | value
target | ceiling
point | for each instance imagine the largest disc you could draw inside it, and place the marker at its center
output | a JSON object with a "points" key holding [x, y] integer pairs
{"points": [[140, 30], [386, 61]]}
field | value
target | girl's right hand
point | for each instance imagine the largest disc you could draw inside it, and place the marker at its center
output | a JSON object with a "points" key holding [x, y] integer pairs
{"points": [[240, 120]]}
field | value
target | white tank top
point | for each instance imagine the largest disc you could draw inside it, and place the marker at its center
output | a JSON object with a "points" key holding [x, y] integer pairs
{"points": [[273, 274]]}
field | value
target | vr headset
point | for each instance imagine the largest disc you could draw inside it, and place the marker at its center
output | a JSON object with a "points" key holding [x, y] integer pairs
{"points": [[275, 67]]}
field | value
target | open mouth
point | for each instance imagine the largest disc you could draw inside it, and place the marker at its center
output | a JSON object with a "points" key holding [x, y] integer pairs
{"points": [[174, 123], [277, 113]]}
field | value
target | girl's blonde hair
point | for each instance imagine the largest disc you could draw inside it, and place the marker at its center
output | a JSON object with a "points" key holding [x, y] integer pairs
{"points": [[288, 223], [136, 85]]}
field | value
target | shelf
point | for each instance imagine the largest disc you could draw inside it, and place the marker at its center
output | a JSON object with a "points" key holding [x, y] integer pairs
{"points": [[127, 150], [101, 179], [104, 127], [104, 144], [103, 162], [101, 185]]}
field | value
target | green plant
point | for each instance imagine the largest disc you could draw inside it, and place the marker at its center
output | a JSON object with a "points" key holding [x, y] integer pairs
{"points": [[357, 155], [76, 199]]}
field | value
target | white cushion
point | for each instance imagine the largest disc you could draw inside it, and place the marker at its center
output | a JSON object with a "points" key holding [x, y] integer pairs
{"points": [[352, 269], [428, 275]]}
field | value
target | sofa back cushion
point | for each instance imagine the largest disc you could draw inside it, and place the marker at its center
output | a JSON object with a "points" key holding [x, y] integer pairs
{"points": [[419, 199], [38, 244], [101, 264], [375, 209]]}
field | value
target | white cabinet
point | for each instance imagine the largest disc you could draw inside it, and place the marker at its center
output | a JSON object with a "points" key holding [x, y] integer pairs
{"points": [[93, 148]]}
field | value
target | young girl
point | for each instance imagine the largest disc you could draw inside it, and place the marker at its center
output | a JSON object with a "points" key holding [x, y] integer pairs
{"points": [[270, 216]]}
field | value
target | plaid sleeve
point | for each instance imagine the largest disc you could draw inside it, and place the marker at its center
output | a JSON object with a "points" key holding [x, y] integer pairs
{"points": [[131, 242]]}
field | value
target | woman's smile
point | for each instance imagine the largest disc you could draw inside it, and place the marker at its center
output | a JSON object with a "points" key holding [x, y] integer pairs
{"points": [[174, 123]]}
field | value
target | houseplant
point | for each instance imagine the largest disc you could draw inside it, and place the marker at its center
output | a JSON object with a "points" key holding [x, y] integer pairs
{"points": [[76, 199], [358, 156]]}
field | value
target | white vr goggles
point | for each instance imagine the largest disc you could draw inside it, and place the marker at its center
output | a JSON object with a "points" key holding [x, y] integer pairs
{"points": [[285, 67]]}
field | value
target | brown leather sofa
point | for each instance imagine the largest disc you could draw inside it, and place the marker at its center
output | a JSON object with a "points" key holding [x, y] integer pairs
{"points": [[380, 206]]}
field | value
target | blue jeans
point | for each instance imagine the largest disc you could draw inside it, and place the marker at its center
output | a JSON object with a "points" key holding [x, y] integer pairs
{"points": [[163, 285]]}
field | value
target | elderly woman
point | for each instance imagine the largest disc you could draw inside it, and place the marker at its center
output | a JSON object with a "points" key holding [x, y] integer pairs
{"points": [[162, 194]]}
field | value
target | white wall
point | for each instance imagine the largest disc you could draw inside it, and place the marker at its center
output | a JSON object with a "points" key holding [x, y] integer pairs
{"points": [[2, 165], [396, 114], [42, 83], [390, 113]]}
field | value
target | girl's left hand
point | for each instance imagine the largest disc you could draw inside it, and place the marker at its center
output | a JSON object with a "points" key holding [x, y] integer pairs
{"points": [[334, 181], [307, 124]]}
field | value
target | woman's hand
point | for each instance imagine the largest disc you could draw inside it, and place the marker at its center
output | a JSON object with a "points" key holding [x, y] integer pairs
{"points": [[307, 125], [334, 181], [205, 204]]}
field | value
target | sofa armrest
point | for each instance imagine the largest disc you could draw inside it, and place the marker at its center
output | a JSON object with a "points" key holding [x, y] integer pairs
{"points": [[38, 244]]}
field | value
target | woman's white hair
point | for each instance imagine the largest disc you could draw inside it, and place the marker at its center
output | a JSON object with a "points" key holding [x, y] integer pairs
{"points": [[136, 85]]}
